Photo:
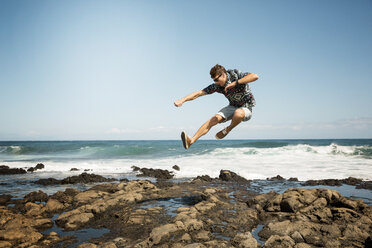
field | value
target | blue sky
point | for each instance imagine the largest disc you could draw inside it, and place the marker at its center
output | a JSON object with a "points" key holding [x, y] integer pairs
{"points": [[112, 69]]}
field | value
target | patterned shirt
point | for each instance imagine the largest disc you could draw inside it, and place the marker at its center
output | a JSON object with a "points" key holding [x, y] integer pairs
{"points": [[238, 96]]}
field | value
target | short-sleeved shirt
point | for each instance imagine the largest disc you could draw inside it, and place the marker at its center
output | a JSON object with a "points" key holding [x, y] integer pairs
{"points": [[238, 96]]}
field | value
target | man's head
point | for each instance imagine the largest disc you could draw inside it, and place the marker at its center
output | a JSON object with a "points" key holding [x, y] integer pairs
{"points": [[218, 74]]}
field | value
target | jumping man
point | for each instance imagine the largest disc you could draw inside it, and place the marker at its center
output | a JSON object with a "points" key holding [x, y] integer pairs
{"points": [[234, 85]]}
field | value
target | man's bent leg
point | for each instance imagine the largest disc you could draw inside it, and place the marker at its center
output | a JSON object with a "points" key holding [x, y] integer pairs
{"points": [[204, 129], [238, 117]]}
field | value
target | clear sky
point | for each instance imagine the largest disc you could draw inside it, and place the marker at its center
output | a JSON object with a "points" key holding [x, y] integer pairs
{"points": [[112, 69]]}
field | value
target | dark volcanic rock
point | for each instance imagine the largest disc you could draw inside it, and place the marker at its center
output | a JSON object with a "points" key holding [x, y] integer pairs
{"points": [[329, 182], [359, 183], [39, 196], [74, 169], [48, 181], [86, 178], [204, 178], [277, 178], [293, 179], [5, 170], [157, 173], [39, 166], [4, 199], [135, 168], [226, 175], [82, 178], [176, 167]]}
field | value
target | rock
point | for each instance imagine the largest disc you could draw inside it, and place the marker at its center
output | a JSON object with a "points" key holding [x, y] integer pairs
{"points": [[226, 175], [5, 170], [5, 244], [195, 245], [202, 236], [82, 178], [4, 199], [53, 206], [277, 178], [157, 173], [293, 179], [39, 196], [48, 181], [162, 232], [204, 178], [329, 182], [65, 197], [176, 167], [39, 166], [87, 245], [74, 169], [135, 168], [276, 241], [86, 178], [244, 240]]}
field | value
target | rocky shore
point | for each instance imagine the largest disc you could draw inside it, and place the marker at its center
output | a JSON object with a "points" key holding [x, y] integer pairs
{"points": [[204, 212]]}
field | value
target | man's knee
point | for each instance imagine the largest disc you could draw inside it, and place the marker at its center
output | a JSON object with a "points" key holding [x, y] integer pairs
{"points": [[239, 113], [215, 120]]}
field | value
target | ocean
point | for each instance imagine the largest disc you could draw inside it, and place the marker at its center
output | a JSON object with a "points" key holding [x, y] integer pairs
{"points": [[252, 159]]}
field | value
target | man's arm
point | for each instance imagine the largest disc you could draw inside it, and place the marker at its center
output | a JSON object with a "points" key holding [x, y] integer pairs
{"points": [[250, 77], [190, 97]]}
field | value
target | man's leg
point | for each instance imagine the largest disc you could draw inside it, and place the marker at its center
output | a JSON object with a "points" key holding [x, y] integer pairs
{"points": [[204, 129], [238, 117]]}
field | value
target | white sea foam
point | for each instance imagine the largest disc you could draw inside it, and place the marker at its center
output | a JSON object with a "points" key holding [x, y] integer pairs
{"points": [[302, 161]]}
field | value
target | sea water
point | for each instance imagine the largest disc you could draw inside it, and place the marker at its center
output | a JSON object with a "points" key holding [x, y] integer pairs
{"points": [[252, 159]]}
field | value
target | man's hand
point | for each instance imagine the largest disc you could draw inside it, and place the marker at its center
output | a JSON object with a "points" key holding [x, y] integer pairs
{"points": [[178, 103], [229, 86]]}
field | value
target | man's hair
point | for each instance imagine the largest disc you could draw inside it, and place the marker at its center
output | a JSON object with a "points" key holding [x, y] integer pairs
{"points": [[217, 70]]}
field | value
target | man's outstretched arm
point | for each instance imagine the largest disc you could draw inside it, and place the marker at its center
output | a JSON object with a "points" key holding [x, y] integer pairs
{"points": [[244, 80], [190, 97]]}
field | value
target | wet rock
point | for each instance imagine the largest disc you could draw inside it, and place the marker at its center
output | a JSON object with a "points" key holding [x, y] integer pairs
{"points": [[82, 178], [38, 196], [135, 168], [293, 179], [244, 240], [226, 175], [74, 169], [315, 217], [204, 178], [176, 167], [48, 181], [54, 206], [4, 199], [65, 197], [157, 173], [39, 166], [279, 241], [329, 182], [277, 178], [86, 178], [5, 170]]}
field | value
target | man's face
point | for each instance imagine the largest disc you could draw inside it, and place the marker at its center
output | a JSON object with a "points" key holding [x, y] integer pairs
{"points": [[221, 79]]}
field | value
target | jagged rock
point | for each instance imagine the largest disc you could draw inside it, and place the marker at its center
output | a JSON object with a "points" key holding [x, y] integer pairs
{"points": [[276, 241], [226, 175], [4, 199], [39, 196], [157, 173], [277, 178], [82, 178], [176, 167], [5, 170], [244, 240]]}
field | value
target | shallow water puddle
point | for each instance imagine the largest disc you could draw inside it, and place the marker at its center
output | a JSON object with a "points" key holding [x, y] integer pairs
{"points": [[170, 204], [255, 234], [80, 236]]}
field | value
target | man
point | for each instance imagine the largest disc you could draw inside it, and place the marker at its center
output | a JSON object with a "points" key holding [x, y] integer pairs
{"points": [[234, 85]]}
